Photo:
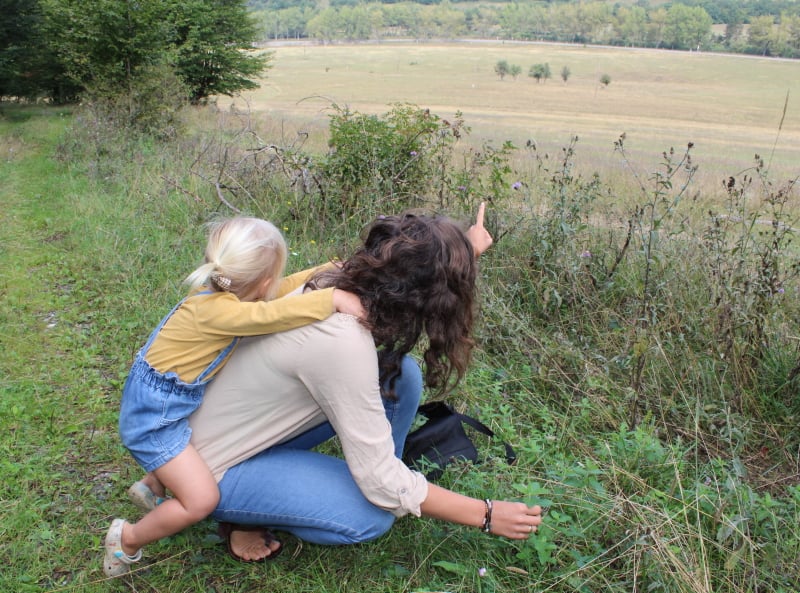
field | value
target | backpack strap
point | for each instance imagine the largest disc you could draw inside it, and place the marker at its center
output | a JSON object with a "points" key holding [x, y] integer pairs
{"points": [[435, 409], [511, 456]]}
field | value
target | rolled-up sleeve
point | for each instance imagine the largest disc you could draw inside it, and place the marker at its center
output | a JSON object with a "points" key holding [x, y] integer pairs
{"points": [[343, 379]]}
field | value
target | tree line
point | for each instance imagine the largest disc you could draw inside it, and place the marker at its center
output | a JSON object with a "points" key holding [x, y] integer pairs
{"points": [[748, 26], [146, 50], [162, 51]]}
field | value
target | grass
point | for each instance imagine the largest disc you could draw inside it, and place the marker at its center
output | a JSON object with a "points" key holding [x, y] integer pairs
{"points": [[648, 413], [729, 106], [96, 259]]}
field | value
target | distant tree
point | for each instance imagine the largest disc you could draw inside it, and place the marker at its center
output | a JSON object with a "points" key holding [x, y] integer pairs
{"points": [[686, 27], [657, 22], [501, 69], [790, 34], [761, 34], [565, 73], [631, 25], [523, 21], [515, 70], [605, 80], [540, 72], [324, 25], [592, 21], [404, 19], [448, 20], [285, 23], [360, 22], [733, 16]]}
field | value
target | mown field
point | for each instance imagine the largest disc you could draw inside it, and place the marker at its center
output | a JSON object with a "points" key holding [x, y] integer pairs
{"points": [[731, 107]]}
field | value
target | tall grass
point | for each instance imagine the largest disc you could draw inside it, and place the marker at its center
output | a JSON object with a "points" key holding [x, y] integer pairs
{"points": [[639, 353]]}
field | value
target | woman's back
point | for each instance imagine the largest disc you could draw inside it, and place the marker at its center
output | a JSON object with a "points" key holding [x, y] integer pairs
{"points": [[277, 386]]}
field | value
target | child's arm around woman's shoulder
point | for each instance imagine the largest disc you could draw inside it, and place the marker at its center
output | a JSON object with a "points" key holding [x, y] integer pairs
{"points": [[292, 281], [289, 312], [342, 301]]}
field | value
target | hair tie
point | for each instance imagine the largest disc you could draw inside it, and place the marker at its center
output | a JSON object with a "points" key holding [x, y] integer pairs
{"points": [[222, 282]]}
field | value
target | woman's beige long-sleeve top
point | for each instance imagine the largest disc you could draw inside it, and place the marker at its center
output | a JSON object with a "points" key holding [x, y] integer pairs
{"points": [[277, 386]]}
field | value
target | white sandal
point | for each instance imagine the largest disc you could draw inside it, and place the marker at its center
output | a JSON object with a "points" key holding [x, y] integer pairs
{"points": [[143, 497], [117, 562]]}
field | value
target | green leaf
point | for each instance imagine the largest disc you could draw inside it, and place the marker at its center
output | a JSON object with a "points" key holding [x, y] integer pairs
{"points": [[453, 567]]}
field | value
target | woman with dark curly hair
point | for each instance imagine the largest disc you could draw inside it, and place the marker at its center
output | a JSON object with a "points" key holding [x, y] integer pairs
{"points": [[414, 274], [281, 395]]}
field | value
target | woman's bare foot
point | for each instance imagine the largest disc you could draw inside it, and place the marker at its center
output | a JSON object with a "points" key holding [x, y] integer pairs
{"points": [[250, 543]]}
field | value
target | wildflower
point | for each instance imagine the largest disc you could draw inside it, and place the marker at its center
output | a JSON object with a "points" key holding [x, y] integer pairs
{"points": [[313, 242], [481, 572], [586, 254], [780, 290], [516, 185], [462, 188], [413, 153]]}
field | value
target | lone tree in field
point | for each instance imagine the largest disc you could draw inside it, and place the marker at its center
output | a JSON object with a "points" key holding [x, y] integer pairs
{"points": [[605, 80], [565, 73], [515, 70], [501, 69], [540, 72]]}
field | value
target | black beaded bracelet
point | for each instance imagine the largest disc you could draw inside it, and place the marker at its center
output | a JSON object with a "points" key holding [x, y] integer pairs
{"points": [[487, 518]]}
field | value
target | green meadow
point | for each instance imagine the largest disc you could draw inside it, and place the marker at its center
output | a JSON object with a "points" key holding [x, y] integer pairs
{"points": [[637, 340]]}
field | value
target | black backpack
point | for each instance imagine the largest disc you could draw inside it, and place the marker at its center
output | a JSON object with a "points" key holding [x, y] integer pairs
{"points": [[442, 439]]}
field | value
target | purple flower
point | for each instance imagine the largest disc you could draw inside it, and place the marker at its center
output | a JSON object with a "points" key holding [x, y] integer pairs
{"points": [[586, 254], [462, 188], [516, 185], [413, 153], [481, 572], [781, 291]]}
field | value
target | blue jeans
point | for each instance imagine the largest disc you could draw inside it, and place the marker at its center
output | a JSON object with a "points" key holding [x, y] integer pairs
{"points": [[310, 495]]}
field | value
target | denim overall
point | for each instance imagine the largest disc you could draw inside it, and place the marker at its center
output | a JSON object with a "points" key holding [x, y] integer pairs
{"points": [[154, 416]]}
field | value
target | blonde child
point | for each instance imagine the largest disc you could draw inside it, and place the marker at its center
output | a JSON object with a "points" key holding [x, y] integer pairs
{"points": [[244, 260]]}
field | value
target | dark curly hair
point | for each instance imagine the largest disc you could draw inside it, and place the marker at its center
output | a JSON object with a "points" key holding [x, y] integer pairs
{"points": [[415, 273]]}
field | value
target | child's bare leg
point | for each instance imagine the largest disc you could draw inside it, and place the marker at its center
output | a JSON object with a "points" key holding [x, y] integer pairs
{"points": [[195, 495]]}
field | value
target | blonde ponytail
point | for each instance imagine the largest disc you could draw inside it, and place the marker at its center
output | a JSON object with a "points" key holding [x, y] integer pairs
{"points": [[241, 252]]}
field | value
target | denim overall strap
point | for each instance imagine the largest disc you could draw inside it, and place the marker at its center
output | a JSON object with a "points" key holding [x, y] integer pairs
{"points": [[154, 333], [214, 364], [220, 359]]}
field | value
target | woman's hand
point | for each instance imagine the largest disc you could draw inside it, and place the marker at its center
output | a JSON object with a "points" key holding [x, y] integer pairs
{"points": [[478, 235], [515, 520]]}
